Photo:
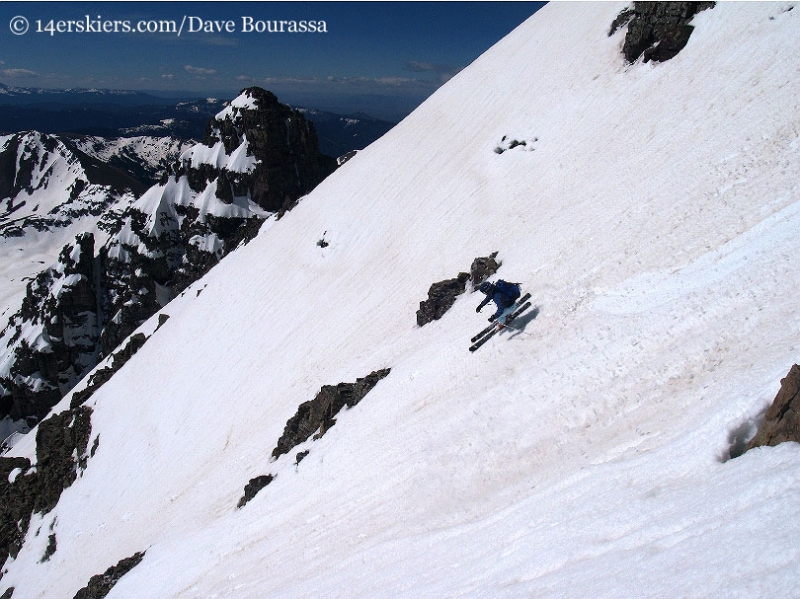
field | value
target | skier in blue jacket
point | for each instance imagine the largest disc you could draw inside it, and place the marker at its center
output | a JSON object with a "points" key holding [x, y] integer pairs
{"points": [[502, 293]]}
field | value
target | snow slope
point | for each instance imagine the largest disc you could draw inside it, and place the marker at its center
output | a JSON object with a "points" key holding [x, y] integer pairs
{"points": [[651, 213]]}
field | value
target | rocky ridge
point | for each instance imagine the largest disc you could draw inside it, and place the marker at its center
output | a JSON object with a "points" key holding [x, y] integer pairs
{"points": [[47, 183]]}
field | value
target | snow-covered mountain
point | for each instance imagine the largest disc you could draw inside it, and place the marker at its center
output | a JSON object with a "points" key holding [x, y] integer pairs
{"points": [[651, 208], [147, 157], [54, 188], [49, 192], [257, 159]]}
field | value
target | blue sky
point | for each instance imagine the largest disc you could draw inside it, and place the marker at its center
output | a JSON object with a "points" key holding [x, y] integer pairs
{"points": [[374, 56]]}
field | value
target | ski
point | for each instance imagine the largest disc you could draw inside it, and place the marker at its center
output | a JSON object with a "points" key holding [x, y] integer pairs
{"points": [[499, 326], [493, 325]]}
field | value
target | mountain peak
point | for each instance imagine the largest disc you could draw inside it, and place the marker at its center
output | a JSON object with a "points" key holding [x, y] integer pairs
{"points": [[251, 98]]}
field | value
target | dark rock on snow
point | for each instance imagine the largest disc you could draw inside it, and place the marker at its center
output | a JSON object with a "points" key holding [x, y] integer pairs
{"points": [[782, 420], [101, 584], [482, 269], [319, 414], [103, 375], [253, 487], [50, 549], [442, 295], [657, 30], [62, 441]]}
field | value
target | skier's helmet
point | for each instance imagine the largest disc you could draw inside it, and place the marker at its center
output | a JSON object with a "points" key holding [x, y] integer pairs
{"points": [[485, 287]]}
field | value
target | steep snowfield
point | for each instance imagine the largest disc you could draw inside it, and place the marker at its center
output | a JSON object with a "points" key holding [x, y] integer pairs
{"points": [[653, 214]]}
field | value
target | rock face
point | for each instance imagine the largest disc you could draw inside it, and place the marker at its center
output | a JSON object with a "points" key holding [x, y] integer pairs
{"points": [[782, 420], [657, 30], [62, 442], [52, 339], [257, 159], [319, 414], [287, 162], [441, 297]]}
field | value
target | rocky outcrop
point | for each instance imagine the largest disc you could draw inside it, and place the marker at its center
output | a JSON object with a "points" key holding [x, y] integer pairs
{"points": [[53, 337], [319, 414], [443, 294], [441, 297], [657, 30], [51, 548], [102, 375], [62, 442], [315, 416], [253, 487], [483, 268], [101, 584], [17, 498], [782, 420]]}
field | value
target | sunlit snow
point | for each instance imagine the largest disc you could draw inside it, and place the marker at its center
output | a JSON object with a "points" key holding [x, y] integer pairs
{"points": [[653, 216]]}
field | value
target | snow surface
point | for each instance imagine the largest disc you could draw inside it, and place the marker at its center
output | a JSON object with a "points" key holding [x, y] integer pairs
{"points": [[52, 183], [242, 102], [653, 215], [237, 162]]}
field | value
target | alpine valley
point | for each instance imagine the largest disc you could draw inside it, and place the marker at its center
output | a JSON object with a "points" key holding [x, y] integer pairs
{"points": [[251, 378]]}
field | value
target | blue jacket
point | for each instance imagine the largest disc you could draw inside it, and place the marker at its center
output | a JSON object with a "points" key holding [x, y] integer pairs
{"points": [[502, 293]]}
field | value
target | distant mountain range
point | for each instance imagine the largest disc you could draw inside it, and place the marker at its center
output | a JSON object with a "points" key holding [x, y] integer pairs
{"points": [[122, 113]]}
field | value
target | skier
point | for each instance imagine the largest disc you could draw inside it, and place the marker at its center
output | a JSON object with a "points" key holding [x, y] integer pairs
{"points": [[503, 293]]}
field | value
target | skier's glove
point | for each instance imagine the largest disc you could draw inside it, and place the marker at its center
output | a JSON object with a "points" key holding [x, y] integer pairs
{"points": [[478, 309]]}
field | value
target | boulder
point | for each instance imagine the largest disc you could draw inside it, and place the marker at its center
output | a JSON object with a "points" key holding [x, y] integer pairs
{"points": [[441, 297], [782, 420]]}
